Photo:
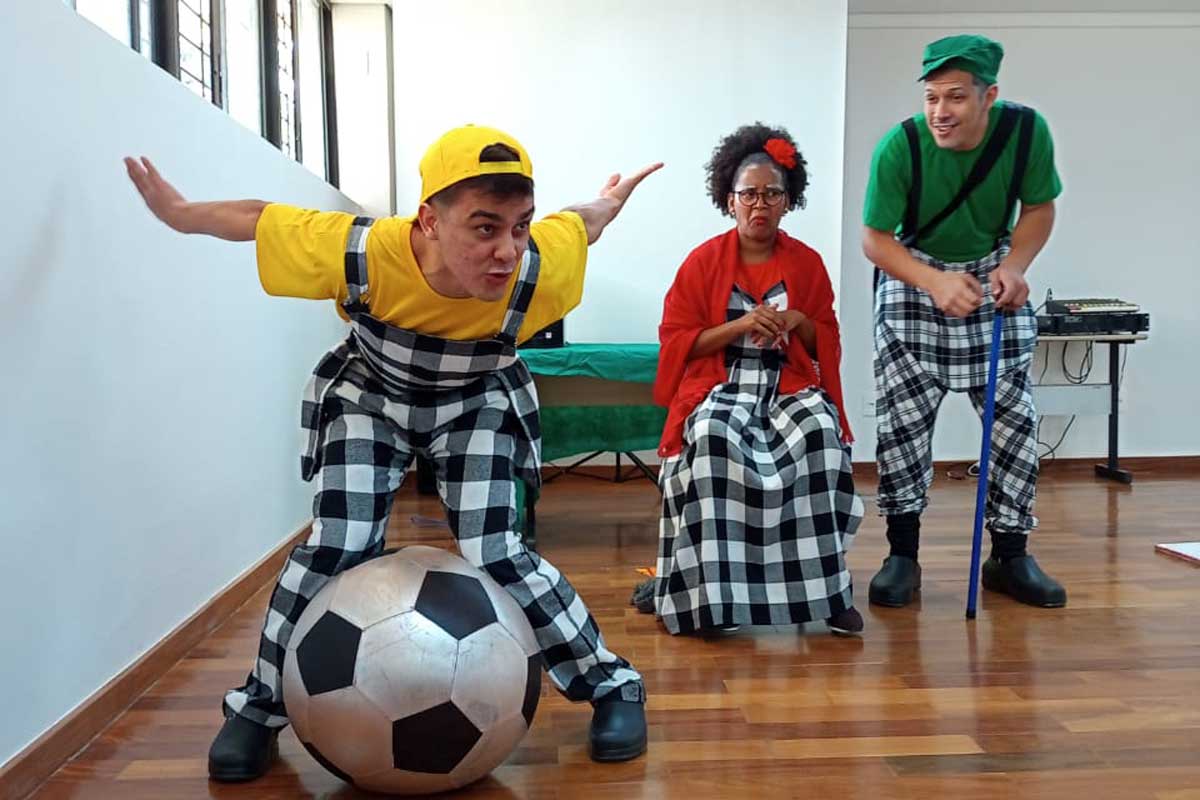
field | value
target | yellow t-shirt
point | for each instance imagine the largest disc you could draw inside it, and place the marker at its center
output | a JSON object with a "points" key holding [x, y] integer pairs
{"points": [[302, 253]]}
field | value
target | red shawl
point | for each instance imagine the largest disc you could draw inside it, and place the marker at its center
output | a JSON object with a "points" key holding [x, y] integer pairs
{"points": [[698, 300]]}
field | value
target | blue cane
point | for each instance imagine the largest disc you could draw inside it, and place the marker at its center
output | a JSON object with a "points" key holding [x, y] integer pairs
{"points": [[985, 452]]}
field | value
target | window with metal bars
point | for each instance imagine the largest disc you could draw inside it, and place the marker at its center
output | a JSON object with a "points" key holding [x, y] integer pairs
{"points": [[269, 63], [200, 68], [285, 43]]}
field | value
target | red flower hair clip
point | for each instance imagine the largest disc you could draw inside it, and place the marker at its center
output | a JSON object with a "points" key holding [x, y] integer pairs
{"points": [[782, 152]]}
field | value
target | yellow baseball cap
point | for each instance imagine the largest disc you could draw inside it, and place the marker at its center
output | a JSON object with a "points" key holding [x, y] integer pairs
{"points": [[455, 157]]}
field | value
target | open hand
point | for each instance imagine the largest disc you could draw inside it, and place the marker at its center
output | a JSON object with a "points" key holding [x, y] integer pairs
{"points": [[163, 200], [598, 213], [617, 190]]}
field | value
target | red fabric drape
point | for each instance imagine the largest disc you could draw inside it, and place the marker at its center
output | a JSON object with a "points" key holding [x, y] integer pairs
{"points": [[697, 300]]}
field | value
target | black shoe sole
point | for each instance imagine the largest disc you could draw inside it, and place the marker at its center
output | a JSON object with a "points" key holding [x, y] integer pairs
{"points": [[890, 603], [233, 776], [221, 775], [846, 633], [1000, 588], [609, 756]]}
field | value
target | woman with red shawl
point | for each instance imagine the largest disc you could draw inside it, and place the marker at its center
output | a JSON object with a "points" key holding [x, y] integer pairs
{"points": [[759, 505]]}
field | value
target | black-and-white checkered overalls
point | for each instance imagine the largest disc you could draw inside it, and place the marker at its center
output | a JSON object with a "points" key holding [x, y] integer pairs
{"points": [[384, 395], [920, 354]]}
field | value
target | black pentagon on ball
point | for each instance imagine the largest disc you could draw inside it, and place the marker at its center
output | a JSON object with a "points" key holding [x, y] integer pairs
{"points": [[455, 603], [533, 688], [326, 656], [325, 762], [434, 740]]}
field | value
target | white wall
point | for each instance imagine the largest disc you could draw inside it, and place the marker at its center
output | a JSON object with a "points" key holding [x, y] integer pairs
{"points": [[977, 6], [362, 53], [593, 88], [1119, 91], [150, 390]]}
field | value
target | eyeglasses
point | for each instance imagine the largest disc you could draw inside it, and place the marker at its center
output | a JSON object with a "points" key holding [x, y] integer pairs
{"points": [[771, 196]]}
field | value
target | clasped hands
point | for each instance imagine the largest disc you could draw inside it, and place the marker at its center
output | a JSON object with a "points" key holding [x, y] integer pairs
{"points": [[768, 326]]}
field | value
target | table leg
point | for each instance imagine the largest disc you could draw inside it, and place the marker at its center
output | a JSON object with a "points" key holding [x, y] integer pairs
{"points": [[1111, 470], [645, 470]]}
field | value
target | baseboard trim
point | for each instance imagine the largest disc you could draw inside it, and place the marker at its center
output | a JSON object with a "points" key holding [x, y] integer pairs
{"points": [[28, 769], [865, 472]]}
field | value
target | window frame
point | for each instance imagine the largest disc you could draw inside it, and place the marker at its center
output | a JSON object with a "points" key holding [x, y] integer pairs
{"points": [[216, 45], [164, 38]]}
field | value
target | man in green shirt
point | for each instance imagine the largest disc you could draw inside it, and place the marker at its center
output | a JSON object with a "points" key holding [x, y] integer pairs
{"points": [[938, 217]]}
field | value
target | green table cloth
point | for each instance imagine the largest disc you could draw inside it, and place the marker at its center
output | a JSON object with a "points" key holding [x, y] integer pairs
{"points": [[614, 362], [577, 430]]}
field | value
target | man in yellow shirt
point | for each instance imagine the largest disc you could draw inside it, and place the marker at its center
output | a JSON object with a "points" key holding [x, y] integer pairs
{"points": [[437, 304]]}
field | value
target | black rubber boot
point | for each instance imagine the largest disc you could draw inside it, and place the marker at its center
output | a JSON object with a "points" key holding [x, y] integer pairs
{"points": [[1023, 580], [242, 751], [618, 729], [896, 582]]}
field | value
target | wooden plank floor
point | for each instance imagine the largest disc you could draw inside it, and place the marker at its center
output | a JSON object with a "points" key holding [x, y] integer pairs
{"points": [[1099, 700]]}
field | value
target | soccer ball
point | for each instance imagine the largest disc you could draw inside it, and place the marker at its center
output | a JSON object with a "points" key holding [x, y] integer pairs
{"points": [[413, 672]]}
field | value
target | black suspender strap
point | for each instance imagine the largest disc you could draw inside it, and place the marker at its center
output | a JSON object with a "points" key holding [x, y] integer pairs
{"points": [[979, 172], [1024, 142], [909, 228]]}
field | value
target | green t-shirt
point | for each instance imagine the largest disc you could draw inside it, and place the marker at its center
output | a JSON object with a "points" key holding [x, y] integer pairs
{"points": [[971, 230]]}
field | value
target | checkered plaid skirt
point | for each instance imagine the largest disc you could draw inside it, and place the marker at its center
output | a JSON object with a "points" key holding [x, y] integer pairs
{"points": [[758, 509]]}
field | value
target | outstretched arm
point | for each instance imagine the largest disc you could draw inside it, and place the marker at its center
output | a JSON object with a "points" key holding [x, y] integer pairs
{"points": [[234, 220], [604, 209]]}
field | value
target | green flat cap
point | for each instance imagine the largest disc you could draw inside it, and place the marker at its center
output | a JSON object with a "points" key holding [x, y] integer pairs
{"points": [[976, 54]]}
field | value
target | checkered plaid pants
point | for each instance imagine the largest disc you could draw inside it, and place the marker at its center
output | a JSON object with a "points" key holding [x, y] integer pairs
{"points": [[920, 354], [369, 442]]}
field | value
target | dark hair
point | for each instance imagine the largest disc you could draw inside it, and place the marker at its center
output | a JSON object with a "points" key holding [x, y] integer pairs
{"points": [[500, 186], [746, 141], [979, 83]]}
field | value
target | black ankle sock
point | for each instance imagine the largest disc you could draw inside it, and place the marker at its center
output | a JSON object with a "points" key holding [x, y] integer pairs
{"points": [[1007, 546], [904, 534]]}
